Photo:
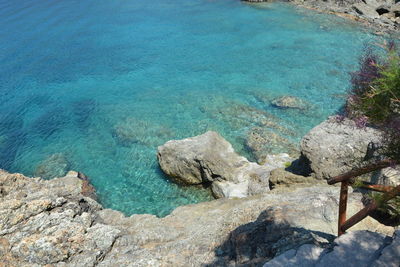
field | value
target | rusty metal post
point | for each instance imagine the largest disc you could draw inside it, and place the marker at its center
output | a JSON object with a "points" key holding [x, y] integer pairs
{"points": [[342, 206], [369, 208]]}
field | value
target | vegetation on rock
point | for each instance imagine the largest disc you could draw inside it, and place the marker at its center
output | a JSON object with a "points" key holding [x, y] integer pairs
{"points": [[375, 96], [375, 100]]}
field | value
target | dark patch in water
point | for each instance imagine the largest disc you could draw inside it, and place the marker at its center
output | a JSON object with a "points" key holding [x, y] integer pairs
{"points": [[50, 122], [82, 110], [12, 136]]}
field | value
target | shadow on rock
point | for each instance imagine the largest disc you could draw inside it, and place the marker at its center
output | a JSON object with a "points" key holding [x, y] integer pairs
{"points": [[255, 243]]}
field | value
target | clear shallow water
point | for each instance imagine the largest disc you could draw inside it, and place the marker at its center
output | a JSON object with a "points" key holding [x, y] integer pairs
{"points": [[105, 82]]}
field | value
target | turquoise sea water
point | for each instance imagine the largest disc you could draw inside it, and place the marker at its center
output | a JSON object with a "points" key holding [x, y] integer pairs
{"points": [[105, 82]]}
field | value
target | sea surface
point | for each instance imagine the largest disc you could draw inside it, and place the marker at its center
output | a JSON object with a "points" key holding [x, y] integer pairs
{"points": [[96, 85]]}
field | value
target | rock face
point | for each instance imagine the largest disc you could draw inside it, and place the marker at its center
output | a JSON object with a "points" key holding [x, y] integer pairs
{"points": [[210, 159], [333, 147], [360, 248], [51, 222]]}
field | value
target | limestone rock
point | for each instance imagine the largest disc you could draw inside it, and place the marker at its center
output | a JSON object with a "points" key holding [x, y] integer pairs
{"points": [[390, 255], [333, 148], [366, 10], [51, 222], [388, 176], [359, 248], [280, 177], [210, 159]]}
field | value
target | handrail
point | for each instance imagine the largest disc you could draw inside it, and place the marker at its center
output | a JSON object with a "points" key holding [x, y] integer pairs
{"points": [[359, 216], [363, 170], [389, 193]]}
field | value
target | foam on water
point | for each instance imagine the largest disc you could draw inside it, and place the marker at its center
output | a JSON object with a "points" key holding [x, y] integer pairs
{"points": [[105, 82]]}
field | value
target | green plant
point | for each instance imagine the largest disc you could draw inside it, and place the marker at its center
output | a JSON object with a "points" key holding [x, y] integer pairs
{"points": [[375, 96]]}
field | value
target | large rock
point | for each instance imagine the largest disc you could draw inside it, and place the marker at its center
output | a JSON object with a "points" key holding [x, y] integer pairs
{"points": [[51, 222], [360, 248], [333, 147], [210, 159]]}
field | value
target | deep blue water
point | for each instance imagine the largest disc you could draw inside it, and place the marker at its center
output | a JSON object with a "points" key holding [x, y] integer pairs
{"points": [[105, 82]]}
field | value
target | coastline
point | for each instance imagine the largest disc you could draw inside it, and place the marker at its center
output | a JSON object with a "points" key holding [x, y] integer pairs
{"points": [[379, 25], [58, 221], [263, 209]]}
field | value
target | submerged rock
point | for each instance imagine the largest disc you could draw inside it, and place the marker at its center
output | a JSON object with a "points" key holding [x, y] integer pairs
{"points": [[210, 159], [51, 222], [133, 130], [289, 102], [55, 165], [262, 141]]}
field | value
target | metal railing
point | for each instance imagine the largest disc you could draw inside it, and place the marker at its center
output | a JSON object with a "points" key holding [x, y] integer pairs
{"points": [[389, 192]]}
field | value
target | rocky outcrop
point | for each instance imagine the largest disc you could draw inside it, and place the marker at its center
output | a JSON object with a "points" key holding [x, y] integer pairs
{"points": [[360, 248], [51, 222], [383, 15], [209, 159], [334, 147]]}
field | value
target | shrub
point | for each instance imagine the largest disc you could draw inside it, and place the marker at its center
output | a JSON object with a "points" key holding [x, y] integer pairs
{"points": [[375, 100], [375, 96]]}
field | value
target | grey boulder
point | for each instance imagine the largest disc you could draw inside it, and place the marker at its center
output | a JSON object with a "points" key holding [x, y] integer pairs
{"points": [[334, 147], [209, 159]]}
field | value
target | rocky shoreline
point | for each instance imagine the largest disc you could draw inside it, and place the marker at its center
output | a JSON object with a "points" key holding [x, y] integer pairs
{"points": [[381, 15], [58, 222]]}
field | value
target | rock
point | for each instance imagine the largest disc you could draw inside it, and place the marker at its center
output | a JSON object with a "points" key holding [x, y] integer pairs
{"points": [[333, 147], [390, 255], [133, 130], [388, 176], [55, 165], [210, 159], [51, 222], [364, 243], [366, 10], [383, 9], [359, 248], [262, 141], [395, 9], [278, 160], [289, 102], [280, 177], [306, 256]]}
